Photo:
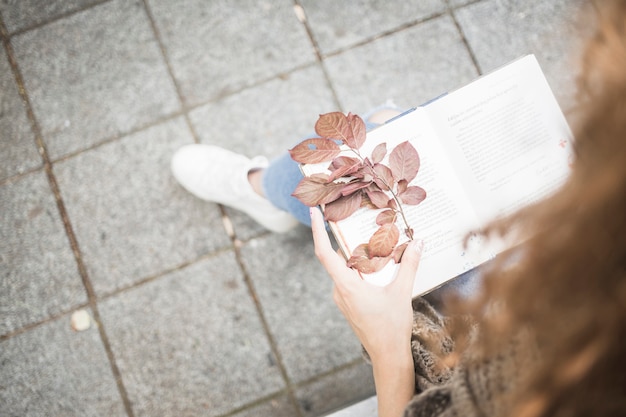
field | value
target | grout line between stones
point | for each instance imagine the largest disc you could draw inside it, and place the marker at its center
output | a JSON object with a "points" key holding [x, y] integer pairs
{"points": [[266, 328], [56, 18], [170, 70], [92, 302], [318, 54], [469, 49]]}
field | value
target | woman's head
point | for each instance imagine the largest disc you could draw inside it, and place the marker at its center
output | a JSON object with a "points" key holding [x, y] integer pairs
{"points": [[569, 286]]}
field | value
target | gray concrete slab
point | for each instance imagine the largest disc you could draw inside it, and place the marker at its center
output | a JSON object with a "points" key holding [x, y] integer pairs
{"points": [[39, 274], [94, 75], [132, 220], [346, 386], [337, 25], [499, 31], [221, 48], [20, 14], [54, 371], [190, 343], [19, 152], [410, 67], [295, 292]]}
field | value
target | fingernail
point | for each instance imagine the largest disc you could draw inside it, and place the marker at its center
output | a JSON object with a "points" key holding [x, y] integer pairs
{"points": [[418, 245]]}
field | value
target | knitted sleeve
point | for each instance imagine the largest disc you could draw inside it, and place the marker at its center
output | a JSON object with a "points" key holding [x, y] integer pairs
{"points": [[444, 391]]}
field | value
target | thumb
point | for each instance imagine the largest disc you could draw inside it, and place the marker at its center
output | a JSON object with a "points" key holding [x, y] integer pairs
{"points": [[409, 264]]}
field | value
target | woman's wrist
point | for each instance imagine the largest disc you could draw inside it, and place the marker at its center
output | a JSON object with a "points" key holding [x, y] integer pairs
{"points": [[394, 377]]}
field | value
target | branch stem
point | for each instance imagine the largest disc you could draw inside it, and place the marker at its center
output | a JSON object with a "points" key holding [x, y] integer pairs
{"points": [[409, 231]]}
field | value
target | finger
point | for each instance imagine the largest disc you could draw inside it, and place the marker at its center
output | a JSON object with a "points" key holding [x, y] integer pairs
{"points": [[334, 263], [409, 265]]}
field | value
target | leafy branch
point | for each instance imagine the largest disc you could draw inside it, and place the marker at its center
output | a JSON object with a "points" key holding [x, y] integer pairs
{"points": [[355, 182]]}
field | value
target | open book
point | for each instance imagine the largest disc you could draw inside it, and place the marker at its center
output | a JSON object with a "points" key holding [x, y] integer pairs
{"points": [[487, 149]]}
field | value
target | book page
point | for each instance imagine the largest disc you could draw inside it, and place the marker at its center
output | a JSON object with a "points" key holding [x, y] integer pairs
{"points": [[441, 220], [507, 138]]}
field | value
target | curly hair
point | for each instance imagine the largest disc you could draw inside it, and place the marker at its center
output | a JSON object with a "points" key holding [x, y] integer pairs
{"points": [[566, 285]]}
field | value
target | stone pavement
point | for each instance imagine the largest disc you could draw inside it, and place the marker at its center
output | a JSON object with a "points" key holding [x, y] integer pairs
{"points": [[196, 310]]}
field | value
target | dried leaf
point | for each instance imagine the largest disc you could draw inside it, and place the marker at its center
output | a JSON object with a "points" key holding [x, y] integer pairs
{"points": [[384, 177], [413, 195], [344, 166], [343, 207], [334, 125], [384, 217], [402, 186], [383, 241], [367, 203], [353, 186], [361, 261], [379, 152], [358, 131], [409, 233], [378, 198], [315, 150], [313, 191], [398, 252], [404, 162]]}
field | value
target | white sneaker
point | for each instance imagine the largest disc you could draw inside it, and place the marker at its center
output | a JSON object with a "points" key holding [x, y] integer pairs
{"points": [[221, 176]]}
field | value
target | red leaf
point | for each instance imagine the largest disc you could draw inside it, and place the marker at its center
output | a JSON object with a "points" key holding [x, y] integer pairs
{"points": [[334, 126], [384, 240], [398, 252], [357, 126], [315, 150], [378, 198], [383, 177], [343, 166], [413, 195], [384, 217], [353, 186], [404, 162], [361, 261], [379, 152], [367, 203], [343, 207], [313, 191], [402, 186]]}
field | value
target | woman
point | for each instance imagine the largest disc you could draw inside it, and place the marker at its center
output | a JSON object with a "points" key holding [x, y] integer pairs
{"points": [[549, 337]]}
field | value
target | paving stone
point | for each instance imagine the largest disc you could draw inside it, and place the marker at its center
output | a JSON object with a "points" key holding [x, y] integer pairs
{"points": [[410, 67], [20, 14], [336, 26], [132, 220], [337, 390], [39, 274], [219, 48], [19, 153], [190, 343], [276, 407], [296, 294], [54, 371], [499, 31], [264, 120], [459, 3], [94, 75]]}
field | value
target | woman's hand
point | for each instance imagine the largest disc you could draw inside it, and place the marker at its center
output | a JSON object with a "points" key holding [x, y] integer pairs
{"points": [[381, 317]]}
